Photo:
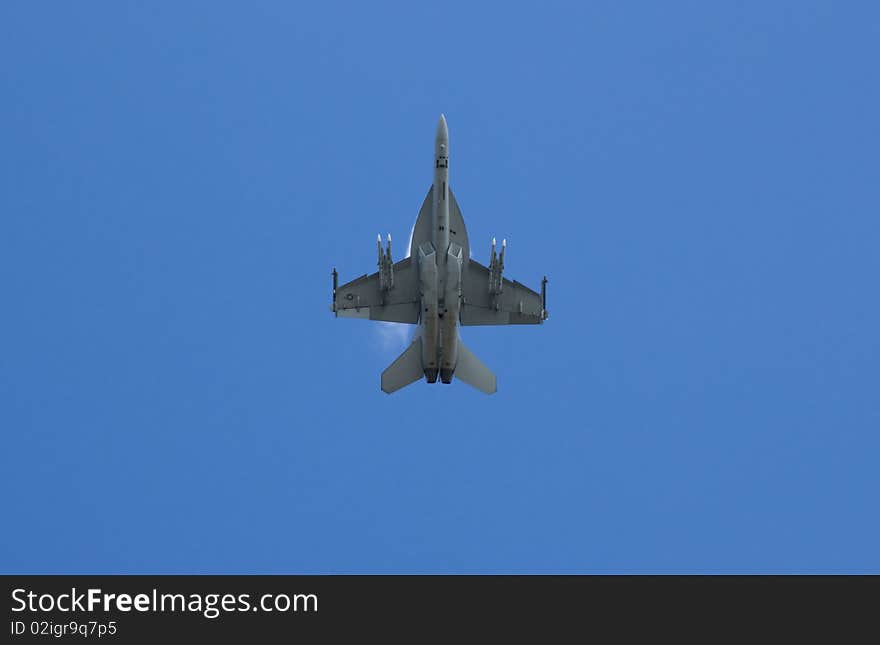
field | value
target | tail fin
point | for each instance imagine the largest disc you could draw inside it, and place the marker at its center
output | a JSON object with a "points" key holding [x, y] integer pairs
{"points": [[406, 369], [470, 370]]}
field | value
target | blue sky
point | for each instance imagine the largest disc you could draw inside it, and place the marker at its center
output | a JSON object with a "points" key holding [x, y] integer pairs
{"points": [[698, 180]]}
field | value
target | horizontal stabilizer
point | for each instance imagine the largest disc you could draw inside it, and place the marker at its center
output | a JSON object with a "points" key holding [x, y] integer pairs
{"points": [[405, 370], [472, 371]]}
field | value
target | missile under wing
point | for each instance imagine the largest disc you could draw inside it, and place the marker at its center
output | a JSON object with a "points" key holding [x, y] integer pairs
{"points": [[390, 294]]}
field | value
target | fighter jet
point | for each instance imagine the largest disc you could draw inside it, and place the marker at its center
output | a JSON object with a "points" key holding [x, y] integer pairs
{"points": [[438, 286]]}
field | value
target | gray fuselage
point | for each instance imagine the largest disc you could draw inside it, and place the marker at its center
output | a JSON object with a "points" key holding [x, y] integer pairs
{"points": [[440, 270]]}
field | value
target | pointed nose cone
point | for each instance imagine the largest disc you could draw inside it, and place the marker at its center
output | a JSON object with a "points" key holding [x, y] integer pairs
{"points": [[442, 132]]}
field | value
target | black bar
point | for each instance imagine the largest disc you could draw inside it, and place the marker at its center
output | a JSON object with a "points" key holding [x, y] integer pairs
{"points": [[418, 608]]}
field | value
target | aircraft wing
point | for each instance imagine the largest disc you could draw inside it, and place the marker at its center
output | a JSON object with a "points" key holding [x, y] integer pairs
{"points": [[515, 305], [363, 298]]}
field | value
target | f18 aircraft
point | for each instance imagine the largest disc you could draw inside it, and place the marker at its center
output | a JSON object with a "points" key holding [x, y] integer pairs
{"points": [[439, 287]]}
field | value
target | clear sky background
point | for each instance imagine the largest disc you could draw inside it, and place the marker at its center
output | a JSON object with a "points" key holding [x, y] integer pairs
{"points": [[699, 181]]}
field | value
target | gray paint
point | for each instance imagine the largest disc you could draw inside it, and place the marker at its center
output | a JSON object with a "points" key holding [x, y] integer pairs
{"points": [[439, 287]]}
